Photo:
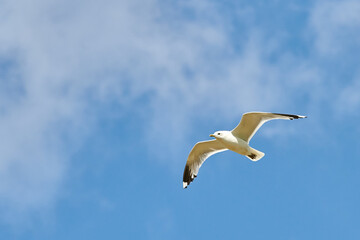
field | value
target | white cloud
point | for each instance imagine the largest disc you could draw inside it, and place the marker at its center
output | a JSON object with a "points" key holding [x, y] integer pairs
{"points": [[348, 100], [336, 29], [336, 26], [59, 57]]}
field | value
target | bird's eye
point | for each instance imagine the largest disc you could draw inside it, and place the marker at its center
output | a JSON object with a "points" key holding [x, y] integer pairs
{"points": [[218, 133]]}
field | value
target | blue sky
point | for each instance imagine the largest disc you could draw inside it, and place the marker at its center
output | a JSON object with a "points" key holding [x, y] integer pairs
{"points": [[101, 102]]}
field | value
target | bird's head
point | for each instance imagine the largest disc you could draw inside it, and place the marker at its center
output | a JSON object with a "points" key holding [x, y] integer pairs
{"points": [[218, 134]]}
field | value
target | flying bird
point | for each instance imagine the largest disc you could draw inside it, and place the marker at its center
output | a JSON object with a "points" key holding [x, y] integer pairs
{"points": [[236, 140]]}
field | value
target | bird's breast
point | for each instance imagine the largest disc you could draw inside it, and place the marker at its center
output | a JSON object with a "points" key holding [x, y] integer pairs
{"points": [[236, 144]]}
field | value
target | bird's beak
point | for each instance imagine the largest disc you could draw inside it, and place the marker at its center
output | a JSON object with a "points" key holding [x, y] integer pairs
{"points": [[212, 135]]}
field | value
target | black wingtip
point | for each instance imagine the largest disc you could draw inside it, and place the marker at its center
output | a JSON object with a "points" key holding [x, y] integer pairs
{"points": [[291, 116], [188, 177]]}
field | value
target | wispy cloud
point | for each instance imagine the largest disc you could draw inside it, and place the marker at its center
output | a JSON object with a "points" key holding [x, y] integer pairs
{"points": [[348, 100], [336, 26]]}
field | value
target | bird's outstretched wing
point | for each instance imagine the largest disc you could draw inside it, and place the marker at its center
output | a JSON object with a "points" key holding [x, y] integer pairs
{"points": [[252, 121], [199, 153]]}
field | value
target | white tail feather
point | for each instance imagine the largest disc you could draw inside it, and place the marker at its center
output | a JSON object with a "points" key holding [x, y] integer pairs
{"points": [[255, 155]]}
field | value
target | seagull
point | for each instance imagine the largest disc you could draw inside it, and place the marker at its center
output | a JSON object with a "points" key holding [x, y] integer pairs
{"points": [[236, 140]]}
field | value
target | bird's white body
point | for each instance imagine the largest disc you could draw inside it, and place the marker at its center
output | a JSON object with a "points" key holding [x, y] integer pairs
{"points": [[233, 143]]}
